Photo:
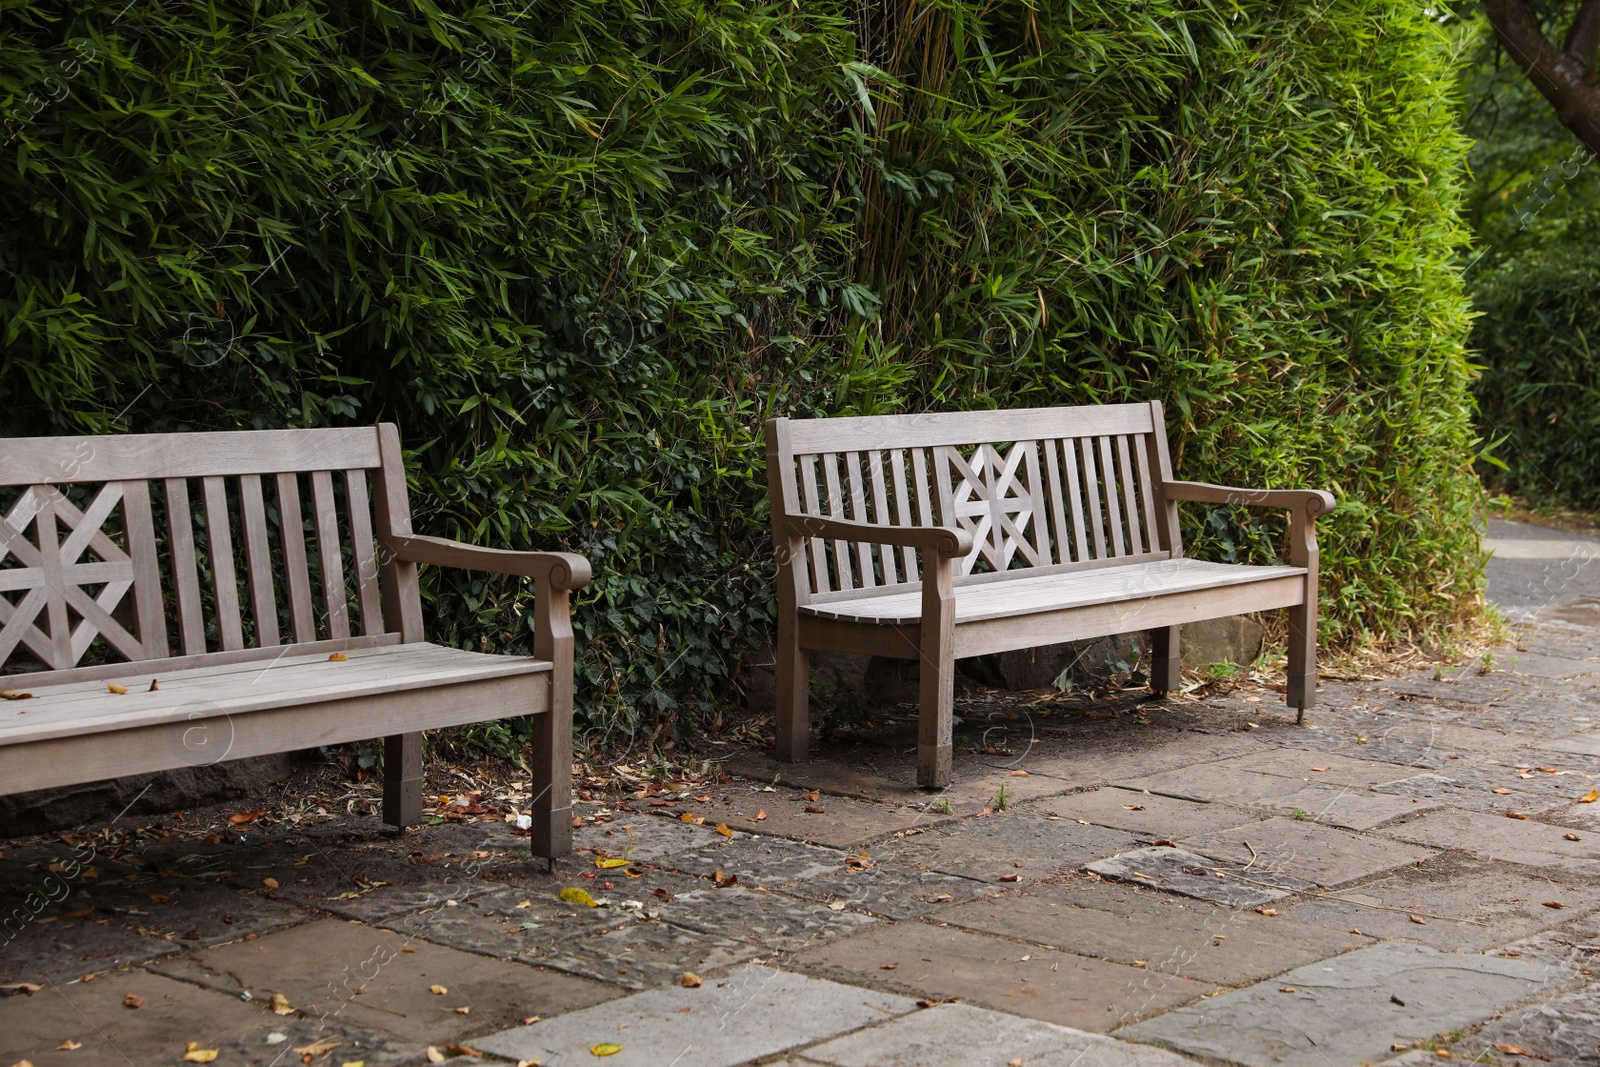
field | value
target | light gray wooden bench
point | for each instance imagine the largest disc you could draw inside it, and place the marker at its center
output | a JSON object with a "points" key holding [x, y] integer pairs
{"points": [[89, 565], [934, 537]]}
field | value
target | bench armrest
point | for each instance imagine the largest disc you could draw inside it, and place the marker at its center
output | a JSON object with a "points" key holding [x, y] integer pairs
{"points": [[561, 570], [1313, 501], [942, 540]]}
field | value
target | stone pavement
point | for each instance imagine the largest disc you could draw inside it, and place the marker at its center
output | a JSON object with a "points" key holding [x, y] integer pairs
{"points": [[1106, 883]]}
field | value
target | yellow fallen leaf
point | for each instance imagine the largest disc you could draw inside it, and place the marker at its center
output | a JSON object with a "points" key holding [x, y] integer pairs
{"points": [[578, 896], [758, 816], [438, 990], [686, 817], [22, 1063], [70, 1045], [196, 1054], [1021, 774], [464, 1010], [1590, 797], [1572, 837], [1419, 920], [690, 980], [316, 1048], [722, 828], [607, 1049], [607, 862], [525, 904], [435, 1056], [113, 687], [529, 1063], [1510, 1050], [338, 657], [280, 1005], [354, 1063], [270, 883], [12, 694], [1501, 790]]}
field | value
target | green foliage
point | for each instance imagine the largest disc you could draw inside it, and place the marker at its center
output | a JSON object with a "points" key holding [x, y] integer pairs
{"points": [[580, 251], [1534, 203]]}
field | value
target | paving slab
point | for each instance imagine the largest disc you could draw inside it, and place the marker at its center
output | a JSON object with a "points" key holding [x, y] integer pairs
{"points": [[990, 848], [1149, 814], [1583, 742], [773, 922], [171, 1014], [1489, 788], [1304, 849], [642, 954], [761, 861], [836, 821], [1524, 841], [338, 968], [894, 890], [514, 922], [1466, 904], [1319, 768], [1159, 931], [1349, 1009], [891, 777], [944, 963], [754, 1012], [642, 839], [1543, 665], [1199, 877], [974, 1037], [60, 944]]}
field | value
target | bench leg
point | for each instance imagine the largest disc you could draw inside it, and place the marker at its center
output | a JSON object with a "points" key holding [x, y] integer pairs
{"points": [[1302, 689], [1165, 659], [552, 784], [402, 780], [793, 698], [936, 700]]}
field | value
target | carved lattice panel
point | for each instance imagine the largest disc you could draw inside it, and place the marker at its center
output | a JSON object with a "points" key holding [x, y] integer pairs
{"points": [[62, 577], [999, 499]]}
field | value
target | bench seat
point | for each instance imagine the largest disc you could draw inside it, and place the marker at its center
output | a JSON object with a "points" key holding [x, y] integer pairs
{"points": [[202, 714], [980, 601]]}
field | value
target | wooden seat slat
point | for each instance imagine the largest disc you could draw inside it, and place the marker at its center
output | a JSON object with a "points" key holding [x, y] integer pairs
{"points": [[1050, 592]]}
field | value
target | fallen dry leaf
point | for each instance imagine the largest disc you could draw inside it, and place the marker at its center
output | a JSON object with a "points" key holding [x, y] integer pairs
{"points": [[887, 966], [723, 881], [529, 1063], [837, 905], [1287, 989], [1572, 837], [1009, 878], [316, 1048], [1134, 807], [1547, 770], [1419, 920], [1502, 790], [578, 896], [690, 980], [816, 809], [13, 988], [354, 1063], [1510, 1050], [438, 990], [814, 795], [70, 1045], [1021, 774], [338, 657], [688, 817], [463, 1010], [1590, 797], [1516, 815], [131, 1000], [1399, 1046], [113, 687], [606, 1049], [155, 685], [722, 828], [608, 862], [195, 1054], [1017, 1062], [1268, 912], [280, 1005], [434, 1055], [1319, 768], [758, 816], [12, 694], [1554, 904]]}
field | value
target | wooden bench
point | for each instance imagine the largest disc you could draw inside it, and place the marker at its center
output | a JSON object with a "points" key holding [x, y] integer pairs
{"points": [[934, 537], [145, 549]]}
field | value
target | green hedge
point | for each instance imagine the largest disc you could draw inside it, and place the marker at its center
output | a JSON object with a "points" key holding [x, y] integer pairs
{"points": [[580, 251]]}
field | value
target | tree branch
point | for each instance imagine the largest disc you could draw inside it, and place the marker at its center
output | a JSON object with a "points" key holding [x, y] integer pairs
{"points": [[1583, 40], [1561, 79]]}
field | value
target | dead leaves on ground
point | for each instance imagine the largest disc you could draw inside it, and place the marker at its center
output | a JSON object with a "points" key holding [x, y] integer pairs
{"points": [[195, 1054]]}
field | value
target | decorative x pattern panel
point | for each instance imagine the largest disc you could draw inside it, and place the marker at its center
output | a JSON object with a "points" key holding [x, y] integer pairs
{"points": [[52, 577], [992, 496]]}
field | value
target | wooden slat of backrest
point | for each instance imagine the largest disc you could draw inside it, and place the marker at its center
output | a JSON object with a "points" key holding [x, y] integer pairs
{"points": [[185, 578], [139, 526], [258, 557], [1036, 490], [880, 511], [964, 428], [1058, 501], [219, 542], [402, 598], [841, 549], [325, 517], [819, 547], [366, 562], [1171, 537], [296, 575], [1130, 503], [866, 579], [902, 503], [1147, 498], [1091, 496], [148, 457], [1080, 529], [1108, 492]]}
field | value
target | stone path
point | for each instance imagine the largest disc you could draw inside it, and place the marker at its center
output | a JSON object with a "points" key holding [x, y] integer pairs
{"points": [[1412, 873]]}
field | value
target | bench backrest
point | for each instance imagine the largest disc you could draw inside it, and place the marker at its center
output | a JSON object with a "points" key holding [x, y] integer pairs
{"points": [[177, 549], [1039, 489]]}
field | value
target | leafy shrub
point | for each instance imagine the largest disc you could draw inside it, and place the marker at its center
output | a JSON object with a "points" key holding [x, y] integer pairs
{"points": [[580, 251]]}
